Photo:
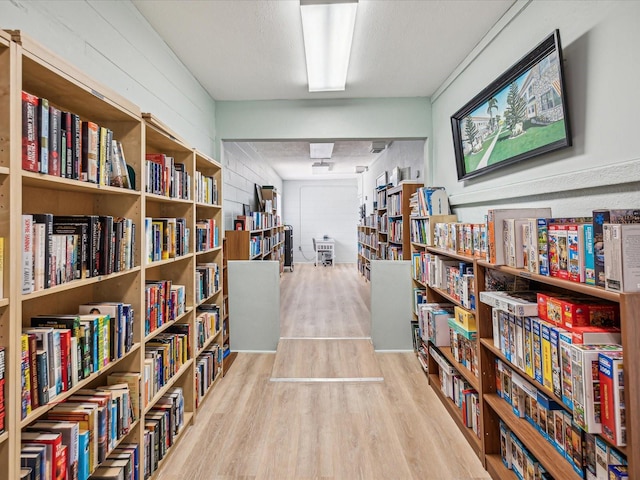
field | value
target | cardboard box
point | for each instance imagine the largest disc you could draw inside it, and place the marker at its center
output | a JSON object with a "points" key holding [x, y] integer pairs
{"points": [[612, 394], [621, 259]]}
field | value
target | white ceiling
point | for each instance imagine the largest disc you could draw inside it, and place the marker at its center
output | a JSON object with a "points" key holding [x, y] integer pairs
{"points": [[253, 50], [291, 160]]}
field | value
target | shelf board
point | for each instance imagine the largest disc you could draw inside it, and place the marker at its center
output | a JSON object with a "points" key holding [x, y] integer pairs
{"points": [[370, 247], [496, 468], [4, 437], [4, 302], [396, 242], [161, 329], [4, 171], [449, 297], [539, 447], [168, 385], [215, 383], [448, 253], [124, 437], [208, 205], [76, 284], [208, 342], [385, 232], [52, 182], [581, 288], [419, 245], [259, 255], [205, 300], [158, 263], [228, 361], [419, 282], [488, 344], [188, 417], [214, 249], [456, 414], [399, 215], [40, 411], [464, 371], [154, 197]]}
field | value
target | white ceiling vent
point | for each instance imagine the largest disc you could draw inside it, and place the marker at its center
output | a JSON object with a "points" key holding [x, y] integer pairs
{"points": [[378, 146]]}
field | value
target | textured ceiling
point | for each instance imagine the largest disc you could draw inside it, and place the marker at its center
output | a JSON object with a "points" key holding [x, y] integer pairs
{"points": [[253, 49]]}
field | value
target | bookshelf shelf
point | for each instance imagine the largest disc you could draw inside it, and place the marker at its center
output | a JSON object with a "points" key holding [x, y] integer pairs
{"points": [[4, 302], [208, 342], [456, 414], [77, 284], [4, 437], [161, 329], [444, 294], [421, 246], [212, 387], [540, 448], [4, 171], [210, 250], [496, 468], [488, 344], [152, 197], [447, 253], [40, 411], [122, 439], [188, 417], [464, 371], [208, 205], [170, 383], [210, 297], [51, 182], [581, 288], [159, 263]]}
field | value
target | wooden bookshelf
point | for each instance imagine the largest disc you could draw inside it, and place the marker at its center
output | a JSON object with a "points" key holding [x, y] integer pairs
{"points": [[26, 65]]}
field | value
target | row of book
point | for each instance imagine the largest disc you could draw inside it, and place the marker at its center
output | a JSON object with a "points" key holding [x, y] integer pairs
{"points": [[558, 426], [206, 189], [59, 351], [166, 177], [452, 276], [370, 239], [207, 323], [162, 425], [516, 457], [366, 252], [165, 354], [77, 437], [207, 280], [454, 386], [394, 231], [382, 223], [166, 238], [208, 368], [58, 143], [427, 201], [59, 249], [394, 204], [207, 235], [164, 302], [381, 198], [422, 229], [256, 221]]}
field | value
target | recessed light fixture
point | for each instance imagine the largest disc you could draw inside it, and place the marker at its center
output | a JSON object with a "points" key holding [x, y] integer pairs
{"points": [[320, 167], [327, 28], [320, 150]]}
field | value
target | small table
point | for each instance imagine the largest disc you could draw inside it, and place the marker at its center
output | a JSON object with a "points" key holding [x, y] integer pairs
{"points": [[325, 247]]}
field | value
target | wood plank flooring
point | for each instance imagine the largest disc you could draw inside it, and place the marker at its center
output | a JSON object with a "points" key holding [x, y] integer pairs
{"points": [[253, 428]]}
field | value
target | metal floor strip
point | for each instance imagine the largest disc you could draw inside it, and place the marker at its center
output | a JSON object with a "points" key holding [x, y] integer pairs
{"points": [[325, 338], [327, 379]]}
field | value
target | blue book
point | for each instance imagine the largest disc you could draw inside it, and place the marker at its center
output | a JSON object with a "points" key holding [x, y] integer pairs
{"points": [[83, 455], [589, 257]]}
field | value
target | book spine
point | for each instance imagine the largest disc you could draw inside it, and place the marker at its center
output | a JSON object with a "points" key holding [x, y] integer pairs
{"points": [[76, 147], [33, 369], [27, 254], [43, 133], [30, 145], [43, 377], [600, 217], [54, 141]]}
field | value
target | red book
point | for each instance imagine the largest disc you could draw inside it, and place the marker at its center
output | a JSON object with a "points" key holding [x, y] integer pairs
{"points": [[53, 441], [55, 138], [29, 132], [610, 366], [65, 348], [89, 152]]}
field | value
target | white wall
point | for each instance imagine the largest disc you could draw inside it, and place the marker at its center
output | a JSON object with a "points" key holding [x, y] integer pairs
{"points": [[602, 67], [404, 153], [322, 207], [243, 169], [111, 42]]}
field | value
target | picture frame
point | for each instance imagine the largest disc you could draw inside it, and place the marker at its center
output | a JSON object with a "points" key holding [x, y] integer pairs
{"points": [[520, 115], [259, 195], [381, 180], [246, 209]]}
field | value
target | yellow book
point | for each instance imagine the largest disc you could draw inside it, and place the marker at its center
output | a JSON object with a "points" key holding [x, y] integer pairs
{"points": [[465, 319], [26, 375], [547, 364]]}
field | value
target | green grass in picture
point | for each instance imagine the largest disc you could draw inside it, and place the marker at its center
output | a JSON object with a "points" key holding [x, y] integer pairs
{"points": [[533, 138], [473, 159]]}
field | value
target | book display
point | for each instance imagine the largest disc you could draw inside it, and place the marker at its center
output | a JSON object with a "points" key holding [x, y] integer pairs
{"points": [[536, 369], [112, 331]]}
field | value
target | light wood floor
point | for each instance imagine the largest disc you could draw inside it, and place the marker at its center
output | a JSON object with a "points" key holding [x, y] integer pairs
{"points": [[253, 427]]}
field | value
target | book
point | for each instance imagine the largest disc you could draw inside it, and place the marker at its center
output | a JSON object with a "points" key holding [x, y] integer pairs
{"points": [[34, 456], [54, 455], [43, 134], [613, 409], [70, 432], [89, 172], [30, 138], [600, 218], [27, 254], [621, 259], [55, 141]]}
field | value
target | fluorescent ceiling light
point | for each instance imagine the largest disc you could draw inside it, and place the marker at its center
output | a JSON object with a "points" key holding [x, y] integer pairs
{"points": [[327, 27], [320, 150], [320, 167]]}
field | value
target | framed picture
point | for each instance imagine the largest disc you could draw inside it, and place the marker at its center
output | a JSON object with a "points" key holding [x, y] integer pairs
{"points": [[246, 209], [259, 195], [381, 181], [522, 114]]}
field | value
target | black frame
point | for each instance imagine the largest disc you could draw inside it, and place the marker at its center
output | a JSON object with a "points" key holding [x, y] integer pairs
{"points": [[498, 86]]}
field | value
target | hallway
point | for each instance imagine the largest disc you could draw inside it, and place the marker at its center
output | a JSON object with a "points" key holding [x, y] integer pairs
{"points": [[326, 405]]}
